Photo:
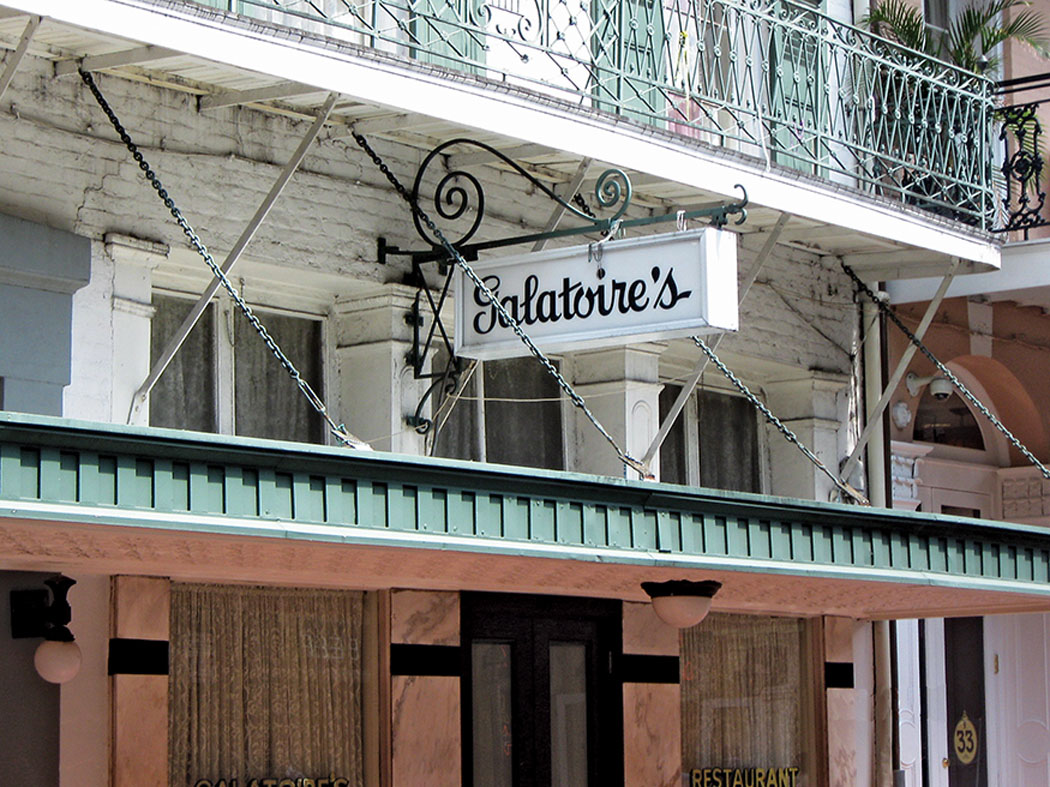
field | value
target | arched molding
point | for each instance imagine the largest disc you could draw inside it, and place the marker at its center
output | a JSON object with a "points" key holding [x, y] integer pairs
{"points": [[1006, 397]]}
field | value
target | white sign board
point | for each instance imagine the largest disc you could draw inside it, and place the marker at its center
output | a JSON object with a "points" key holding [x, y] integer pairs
{"points": [[658, 287]]}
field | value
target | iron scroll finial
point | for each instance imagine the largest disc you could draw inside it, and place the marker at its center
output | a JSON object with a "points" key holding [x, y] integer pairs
{"points": [[458, 191]]}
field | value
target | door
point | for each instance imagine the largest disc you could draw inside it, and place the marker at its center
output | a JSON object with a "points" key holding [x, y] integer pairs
{"points": [[967, 730], [542, 706], [1018, 647]]}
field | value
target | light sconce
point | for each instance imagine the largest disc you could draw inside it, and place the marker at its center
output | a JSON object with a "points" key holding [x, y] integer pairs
{"points": [[680, 602], [39, 613], [940, 387]]}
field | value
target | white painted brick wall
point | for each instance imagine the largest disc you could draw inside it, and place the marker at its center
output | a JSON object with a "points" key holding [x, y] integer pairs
{"points": [[60, 164]]}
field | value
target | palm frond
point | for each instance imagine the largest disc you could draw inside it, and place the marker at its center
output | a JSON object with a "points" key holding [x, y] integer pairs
{"points": [[971, 36], [901, 22], [978, 29]]}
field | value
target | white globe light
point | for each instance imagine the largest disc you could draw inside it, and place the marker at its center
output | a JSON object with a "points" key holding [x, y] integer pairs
{"points": [[681, 611], [57, 662]]}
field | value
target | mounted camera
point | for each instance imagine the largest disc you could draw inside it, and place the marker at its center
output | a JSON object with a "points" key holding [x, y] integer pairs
{"points": [[940, 387]]}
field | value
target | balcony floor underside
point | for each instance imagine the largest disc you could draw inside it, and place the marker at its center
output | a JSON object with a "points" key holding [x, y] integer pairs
{"points": [[748, 587], [217, 57]]}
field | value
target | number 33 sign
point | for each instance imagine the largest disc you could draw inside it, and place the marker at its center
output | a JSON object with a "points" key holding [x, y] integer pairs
{"points": [[965, 740]]}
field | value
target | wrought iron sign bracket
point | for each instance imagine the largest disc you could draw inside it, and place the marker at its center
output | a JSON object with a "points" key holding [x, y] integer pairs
{"points": [[718, 213], [456, 193]]}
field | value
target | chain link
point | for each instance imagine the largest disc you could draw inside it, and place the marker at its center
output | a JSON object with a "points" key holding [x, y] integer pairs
{"points": [[790, 436], [501, 310], [339, 431], [581, 203], [884, 309]]}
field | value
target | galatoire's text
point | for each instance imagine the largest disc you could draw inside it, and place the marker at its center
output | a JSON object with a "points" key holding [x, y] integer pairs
{"points": [[572, 300]]}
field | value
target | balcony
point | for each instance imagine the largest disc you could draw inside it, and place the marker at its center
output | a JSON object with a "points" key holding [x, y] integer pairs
{"points": [[775, 80]]}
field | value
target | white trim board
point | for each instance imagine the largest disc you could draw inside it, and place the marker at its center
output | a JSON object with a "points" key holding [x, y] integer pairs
{"points": [[1024, 267]]}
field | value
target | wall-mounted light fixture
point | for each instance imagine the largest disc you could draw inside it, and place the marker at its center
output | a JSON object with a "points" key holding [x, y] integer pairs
{"points": [[680, 602], [940, 387], [40, 613]]}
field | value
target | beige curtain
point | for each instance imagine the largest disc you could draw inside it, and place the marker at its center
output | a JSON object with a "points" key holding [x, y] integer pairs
{"points": [[742, 692], [265, 683]]}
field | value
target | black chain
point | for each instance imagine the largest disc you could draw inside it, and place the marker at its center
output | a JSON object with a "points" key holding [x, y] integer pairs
{"points": [[862, 287], [505, 316], [790, 436], [581, 203], [338, 430]]}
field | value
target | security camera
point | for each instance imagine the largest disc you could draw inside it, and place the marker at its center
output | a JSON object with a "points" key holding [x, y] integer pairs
{"points": [[941, 388]]}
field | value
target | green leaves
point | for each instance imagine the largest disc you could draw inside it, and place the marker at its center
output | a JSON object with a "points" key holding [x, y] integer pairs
{"points": [[970, 37]]}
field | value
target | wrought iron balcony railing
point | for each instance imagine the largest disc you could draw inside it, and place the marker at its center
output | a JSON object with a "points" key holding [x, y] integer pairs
{"points": [[1023, 205], [775, 79]]}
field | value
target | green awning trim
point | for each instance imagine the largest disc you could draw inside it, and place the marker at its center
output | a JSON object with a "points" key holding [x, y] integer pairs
{"points": [[54, 469]]}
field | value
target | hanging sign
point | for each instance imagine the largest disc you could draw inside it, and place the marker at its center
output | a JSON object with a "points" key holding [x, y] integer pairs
{"points": [[658, 287]]}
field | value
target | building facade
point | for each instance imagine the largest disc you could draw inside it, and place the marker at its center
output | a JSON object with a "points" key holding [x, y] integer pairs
{"points": [[257, 601]]}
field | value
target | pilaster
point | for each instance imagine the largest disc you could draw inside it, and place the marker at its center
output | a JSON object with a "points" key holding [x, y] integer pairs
{"points": [[809, 407], [622, 388], [375, 384]]}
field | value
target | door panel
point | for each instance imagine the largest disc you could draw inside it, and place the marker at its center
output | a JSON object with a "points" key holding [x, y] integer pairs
{"points": [[967, 738], [1019, 698], [545, 707]]}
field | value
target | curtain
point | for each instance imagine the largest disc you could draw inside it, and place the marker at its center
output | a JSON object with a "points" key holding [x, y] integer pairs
{"points": [[264, 683], [729, 457], [742, 686], [184, 396], [266, 400]]}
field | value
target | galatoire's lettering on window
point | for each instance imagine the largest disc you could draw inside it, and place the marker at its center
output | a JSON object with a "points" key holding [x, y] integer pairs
{"points": [[655, 287], [301, 781], [743, 777]]}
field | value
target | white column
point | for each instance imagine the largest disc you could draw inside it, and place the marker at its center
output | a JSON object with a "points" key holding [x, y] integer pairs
{"points": [[375, 386], [622, 388], [810, 407]]}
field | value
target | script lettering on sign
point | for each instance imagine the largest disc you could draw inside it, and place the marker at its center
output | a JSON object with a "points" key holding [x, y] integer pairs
{"points": [[657, 287]]}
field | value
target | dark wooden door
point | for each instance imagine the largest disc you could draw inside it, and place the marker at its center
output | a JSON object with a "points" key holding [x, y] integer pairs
{"points": [[542, 706], [964, 671]]}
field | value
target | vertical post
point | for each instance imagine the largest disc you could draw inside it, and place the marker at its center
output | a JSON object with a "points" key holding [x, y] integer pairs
{"points": [[882, 762]]}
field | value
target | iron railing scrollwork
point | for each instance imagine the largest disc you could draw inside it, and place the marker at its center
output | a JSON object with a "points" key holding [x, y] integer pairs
{"points": [[1024, 192], [774, 79]]}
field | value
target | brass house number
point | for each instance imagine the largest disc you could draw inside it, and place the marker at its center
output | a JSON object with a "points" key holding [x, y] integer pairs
{"points": [[965, 740]]}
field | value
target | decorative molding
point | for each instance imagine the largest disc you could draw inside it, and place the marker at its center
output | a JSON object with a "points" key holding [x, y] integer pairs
{"points": [[126, 249], [133, 307]]}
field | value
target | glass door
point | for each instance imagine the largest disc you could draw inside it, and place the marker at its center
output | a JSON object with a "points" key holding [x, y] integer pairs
{"points": [[542, 707]]}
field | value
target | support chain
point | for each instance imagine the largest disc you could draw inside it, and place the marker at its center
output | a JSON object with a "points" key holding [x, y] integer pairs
{"points": [[339, 431], [790, 436], [944, 370], [501, 310]]}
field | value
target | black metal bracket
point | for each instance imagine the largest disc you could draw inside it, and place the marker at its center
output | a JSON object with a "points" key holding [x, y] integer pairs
{"points": [[1025, 197], [43, 613]]}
